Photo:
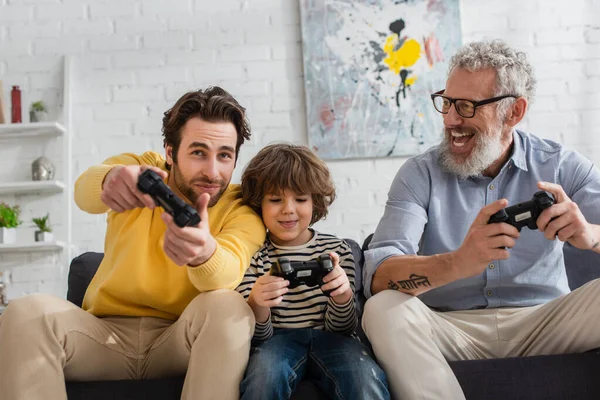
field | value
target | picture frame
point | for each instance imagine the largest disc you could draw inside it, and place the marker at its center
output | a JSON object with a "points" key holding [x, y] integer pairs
{"points": [[370, 67]]}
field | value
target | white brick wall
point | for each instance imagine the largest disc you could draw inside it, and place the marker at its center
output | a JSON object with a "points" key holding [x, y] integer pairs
{"points": [[135, 58]]}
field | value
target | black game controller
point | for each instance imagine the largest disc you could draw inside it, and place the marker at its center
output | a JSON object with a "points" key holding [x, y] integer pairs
{"points": [[310, 273], [183, 214], [524, 214]]}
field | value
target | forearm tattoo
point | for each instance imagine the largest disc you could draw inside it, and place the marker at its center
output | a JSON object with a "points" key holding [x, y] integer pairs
{"points": [[412, 283]]}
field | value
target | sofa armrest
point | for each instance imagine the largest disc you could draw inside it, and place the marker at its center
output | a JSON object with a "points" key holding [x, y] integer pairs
{"points": [[82, 270]]}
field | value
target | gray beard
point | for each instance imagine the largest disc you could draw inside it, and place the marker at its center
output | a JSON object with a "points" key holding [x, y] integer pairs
{"points": [[487, 149]]}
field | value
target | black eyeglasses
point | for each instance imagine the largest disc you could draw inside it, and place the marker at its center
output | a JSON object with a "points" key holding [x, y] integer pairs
{"points": [[464, 107]]}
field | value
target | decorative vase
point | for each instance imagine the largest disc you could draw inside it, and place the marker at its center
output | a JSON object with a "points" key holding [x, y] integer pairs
{"points": [[43, 236], [8, 235], [42, 170], [15, 99], [38, 116]]}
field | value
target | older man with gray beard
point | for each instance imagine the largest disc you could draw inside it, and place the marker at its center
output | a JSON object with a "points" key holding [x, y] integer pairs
{"points": [[447, 285]]}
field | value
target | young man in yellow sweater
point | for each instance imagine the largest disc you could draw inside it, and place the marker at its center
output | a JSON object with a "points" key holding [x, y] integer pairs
{"points": [[153, 308]]}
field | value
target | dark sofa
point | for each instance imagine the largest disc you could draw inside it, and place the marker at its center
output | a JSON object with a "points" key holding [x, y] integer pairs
{"points": [[569, 376]]}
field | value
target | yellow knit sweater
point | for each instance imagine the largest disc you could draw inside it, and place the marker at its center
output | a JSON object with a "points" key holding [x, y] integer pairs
{"points": [[136, 278]]}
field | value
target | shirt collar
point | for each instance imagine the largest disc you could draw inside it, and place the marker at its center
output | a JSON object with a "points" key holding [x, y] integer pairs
{"points": [[518, 154]]}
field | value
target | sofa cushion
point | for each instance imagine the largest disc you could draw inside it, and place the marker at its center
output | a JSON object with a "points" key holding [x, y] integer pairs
{"points": [[566, 376], [82, 270]]}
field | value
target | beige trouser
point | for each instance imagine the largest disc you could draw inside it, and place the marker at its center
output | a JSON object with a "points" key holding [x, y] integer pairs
{"points": [[45, 340], [412, 342]]}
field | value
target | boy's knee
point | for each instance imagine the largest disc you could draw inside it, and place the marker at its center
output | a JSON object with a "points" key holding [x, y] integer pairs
{"points": [[268, 365]]}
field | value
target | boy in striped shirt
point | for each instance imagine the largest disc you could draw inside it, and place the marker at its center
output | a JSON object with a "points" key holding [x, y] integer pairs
{"points": [[301, 331]]}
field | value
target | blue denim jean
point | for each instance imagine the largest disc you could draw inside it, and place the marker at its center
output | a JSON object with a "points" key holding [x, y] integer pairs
{"points": [[340, 366]]}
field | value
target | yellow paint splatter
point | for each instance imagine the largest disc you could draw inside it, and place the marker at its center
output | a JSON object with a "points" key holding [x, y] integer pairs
{"points": [[405, 56], [411, 80]]}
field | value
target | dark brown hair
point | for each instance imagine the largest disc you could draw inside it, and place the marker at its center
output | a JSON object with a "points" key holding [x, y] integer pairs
{"points": [[212, 105], [284, 166]]}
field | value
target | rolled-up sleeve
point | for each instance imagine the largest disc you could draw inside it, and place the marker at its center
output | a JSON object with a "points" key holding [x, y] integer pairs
{"points": [[580, 179], [399, 230]]}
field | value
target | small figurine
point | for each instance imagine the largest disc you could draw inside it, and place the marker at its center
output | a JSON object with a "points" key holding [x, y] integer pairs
{"points": [[42, 170]]}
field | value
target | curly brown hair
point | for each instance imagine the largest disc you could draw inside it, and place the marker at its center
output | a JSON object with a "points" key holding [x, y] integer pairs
{"points": [[214, 104], [284, 166]]}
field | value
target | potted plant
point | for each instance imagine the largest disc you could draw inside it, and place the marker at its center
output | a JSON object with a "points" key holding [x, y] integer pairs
{"points": [[44, 232], [9, 220], [38, 112]]}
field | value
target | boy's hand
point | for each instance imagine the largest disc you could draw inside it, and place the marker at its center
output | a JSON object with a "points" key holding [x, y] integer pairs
{"points": [[338, 280], [268, 291]]}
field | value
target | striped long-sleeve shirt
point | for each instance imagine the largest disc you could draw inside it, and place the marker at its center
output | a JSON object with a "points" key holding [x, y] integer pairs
{"points": [[303, 306]]}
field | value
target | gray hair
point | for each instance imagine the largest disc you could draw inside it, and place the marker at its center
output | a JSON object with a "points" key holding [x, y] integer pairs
{"points": [[514, 73]]}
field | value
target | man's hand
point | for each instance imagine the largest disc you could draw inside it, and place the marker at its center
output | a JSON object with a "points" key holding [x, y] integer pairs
{"points": [[337, 280], [565, 221], [119, 189], [190, 245], [484, 242]]}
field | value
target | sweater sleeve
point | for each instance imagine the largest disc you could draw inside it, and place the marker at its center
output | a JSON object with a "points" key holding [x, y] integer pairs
{"points": [[342, 318], [264, 330], [88, 186], [251, 275], [241, 236]]}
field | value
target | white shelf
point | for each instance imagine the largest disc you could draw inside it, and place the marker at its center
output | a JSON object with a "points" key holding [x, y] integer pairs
{"points": [[58, 134], [31, 247], [31, 187], [36, 129]]}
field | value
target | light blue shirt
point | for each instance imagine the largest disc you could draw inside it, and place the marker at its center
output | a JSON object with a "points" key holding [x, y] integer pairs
{"points": [[429, 205]]}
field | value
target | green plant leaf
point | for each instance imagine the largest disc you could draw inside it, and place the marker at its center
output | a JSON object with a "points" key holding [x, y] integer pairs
{"points": [[42, 223], [9, 216], [37, 106]]}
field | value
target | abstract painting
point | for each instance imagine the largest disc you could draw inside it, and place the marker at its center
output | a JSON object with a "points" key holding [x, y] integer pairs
{"points": [[369, 68]]}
